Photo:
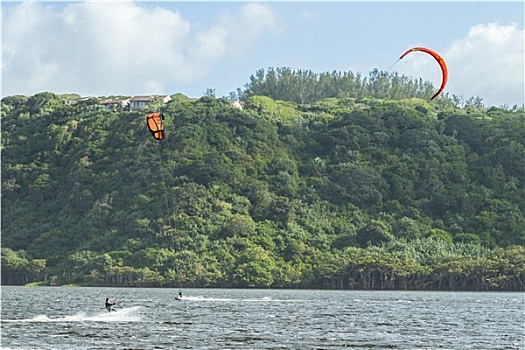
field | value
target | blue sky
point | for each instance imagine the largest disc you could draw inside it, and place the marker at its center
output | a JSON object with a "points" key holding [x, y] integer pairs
{"points": [[131, 48]]}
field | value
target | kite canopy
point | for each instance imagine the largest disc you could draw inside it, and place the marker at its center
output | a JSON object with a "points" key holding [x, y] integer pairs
{"points": [[441, 62], [154, 121]]}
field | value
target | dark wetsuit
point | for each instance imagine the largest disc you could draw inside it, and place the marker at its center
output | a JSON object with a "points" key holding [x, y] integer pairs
{"points": [[109, 306]]}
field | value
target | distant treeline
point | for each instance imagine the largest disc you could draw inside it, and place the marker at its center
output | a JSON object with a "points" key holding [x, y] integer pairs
{"points": [[306, 87], [351, 191]]}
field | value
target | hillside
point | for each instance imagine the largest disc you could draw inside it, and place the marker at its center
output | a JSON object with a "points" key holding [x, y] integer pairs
{"points": [[353, 192]]}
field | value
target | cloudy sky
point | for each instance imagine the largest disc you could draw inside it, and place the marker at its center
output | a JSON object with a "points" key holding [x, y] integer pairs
{"points": [[97, 48]]}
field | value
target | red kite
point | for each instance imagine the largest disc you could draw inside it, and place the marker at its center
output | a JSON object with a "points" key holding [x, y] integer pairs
{"points": [[441, 62]]}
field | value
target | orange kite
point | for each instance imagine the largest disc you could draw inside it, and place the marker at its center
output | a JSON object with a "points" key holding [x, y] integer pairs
{"points": [[155, 125]]}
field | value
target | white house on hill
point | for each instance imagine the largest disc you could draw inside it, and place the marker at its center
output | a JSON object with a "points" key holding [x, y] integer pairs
{"points": [[138, 102], [112, 103]]}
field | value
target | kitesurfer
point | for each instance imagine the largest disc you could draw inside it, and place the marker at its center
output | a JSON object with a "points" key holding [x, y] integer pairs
{"points": [[109, 305], [180, 294]]}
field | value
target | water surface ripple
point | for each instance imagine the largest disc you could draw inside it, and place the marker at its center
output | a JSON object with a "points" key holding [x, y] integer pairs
{"points": [[55, 318]]}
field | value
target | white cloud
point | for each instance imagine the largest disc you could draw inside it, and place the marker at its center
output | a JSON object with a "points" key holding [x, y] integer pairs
{"points": [[246, 26], [102, 48], [488, 62]]}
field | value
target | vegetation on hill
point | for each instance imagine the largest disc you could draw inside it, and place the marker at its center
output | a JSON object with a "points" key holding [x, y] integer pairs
{"points": [[307, 186]]}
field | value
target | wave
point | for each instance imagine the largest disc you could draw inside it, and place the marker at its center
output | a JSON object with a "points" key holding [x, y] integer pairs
{"points": [[263, 299], [121, 315], [201, 298]]}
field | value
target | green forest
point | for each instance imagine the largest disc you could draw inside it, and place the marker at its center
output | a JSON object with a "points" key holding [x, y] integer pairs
{"points": [[328, 180]]}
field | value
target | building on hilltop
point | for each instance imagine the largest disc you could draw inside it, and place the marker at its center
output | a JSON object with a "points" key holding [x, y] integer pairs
{"points": [[132, 104], [74, 101], [138, 102], [233, 103], [236, 104], [115, 103]]}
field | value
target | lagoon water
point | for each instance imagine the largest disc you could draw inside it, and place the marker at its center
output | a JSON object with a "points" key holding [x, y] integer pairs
{"points": [[54, 318]]}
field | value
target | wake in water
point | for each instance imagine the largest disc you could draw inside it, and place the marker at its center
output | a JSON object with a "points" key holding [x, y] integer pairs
{"points": [[122, 315], [201, 298], [263, 299]]}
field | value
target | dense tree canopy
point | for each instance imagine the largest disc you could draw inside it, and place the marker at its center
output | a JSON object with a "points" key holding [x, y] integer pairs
{"points": [[340, 190]]}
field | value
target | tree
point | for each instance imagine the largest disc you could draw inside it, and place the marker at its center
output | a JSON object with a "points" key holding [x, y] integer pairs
{"points": [[374, 233], [255, 268], [407, 228], [314, 169], [14, 266]]}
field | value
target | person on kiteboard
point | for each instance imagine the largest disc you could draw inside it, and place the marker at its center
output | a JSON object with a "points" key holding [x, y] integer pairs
{"points": [[180, 293], [109, 305]]}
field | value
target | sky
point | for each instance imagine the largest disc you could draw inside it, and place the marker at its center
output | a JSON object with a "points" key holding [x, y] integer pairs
{"points": [[102, 48]]}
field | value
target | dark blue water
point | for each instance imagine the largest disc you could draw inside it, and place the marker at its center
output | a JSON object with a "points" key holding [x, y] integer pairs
{"points": [[74, 318]]}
